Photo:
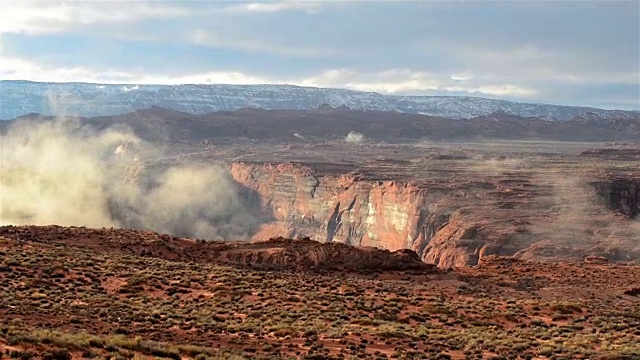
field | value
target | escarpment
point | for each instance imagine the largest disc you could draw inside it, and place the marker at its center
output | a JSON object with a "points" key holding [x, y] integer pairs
{"points": [[451, 207], [342, 208], [620, 194], [350, 209], [450, 223]]}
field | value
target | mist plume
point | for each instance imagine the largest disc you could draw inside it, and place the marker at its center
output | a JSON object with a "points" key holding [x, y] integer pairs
{"points": [[354, 137], [59, 172]]}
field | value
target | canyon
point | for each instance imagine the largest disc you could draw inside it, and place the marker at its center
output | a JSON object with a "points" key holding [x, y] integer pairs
{"points": [[453, 211], [488, 186]]}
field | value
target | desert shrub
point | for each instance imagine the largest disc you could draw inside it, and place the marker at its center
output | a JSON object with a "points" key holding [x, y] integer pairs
{"points": [[62, 354], [566, 308]]}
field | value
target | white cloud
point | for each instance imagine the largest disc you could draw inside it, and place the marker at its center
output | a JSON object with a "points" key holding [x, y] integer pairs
{"points": [[22, 69], [311, 7], [40, 17], [273, 7], [527, 63], [520, 54], [495, 90], [352, 51], [631, 78], [393, 81], [461, 77], [213, 39], [389, 81], [12, 68], [405, 81], [213, 77]]}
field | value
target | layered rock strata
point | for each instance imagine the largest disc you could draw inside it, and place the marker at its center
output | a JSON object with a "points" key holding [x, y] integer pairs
{"points": [[450, 224]]}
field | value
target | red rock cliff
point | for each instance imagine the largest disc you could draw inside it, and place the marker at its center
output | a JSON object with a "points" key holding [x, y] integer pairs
{"points": [[385, 214], [450, 223]]}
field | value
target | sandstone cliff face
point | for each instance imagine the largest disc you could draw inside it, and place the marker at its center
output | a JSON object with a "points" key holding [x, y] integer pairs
{"points": [[382, 214], [449, 223], [385, 214]]}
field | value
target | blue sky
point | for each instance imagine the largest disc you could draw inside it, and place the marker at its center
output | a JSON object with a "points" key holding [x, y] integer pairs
{"points": [[563, 52]]}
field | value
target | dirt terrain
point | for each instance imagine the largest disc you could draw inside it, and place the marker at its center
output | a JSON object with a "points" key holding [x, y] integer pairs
{"points": [[385, 245], [107, 293], [275, 253]]}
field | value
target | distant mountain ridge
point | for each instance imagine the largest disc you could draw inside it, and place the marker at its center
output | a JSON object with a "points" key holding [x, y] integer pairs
{"points": [[167, 126], [20, 97]]}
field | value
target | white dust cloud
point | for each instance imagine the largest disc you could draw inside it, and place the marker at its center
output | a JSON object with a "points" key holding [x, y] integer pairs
{"points": [[354, 137], [58, 172]]}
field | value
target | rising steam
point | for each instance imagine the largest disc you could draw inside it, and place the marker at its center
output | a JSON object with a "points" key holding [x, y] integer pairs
{"points": [[60, 172]]}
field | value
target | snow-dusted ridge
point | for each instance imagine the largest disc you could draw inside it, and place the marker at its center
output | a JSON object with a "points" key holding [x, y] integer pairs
{"points": [[19, 97]]}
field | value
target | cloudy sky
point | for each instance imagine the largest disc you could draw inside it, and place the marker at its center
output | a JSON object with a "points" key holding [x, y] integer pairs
{"points": [[566, 52]]}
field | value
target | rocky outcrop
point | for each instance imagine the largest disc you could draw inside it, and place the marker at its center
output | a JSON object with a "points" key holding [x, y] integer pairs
{"points": [[281, 253], [621, 195], [632, 291], [273, 254]]}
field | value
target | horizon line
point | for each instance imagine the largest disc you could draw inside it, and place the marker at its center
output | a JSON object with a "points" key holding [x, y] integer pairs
{"points": [[326, 88]]}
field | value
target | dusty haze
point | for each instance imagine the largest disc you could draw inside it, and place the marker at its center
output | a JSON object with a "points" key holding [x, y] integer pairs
{"points": [[62, 173], [354, 137]]}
